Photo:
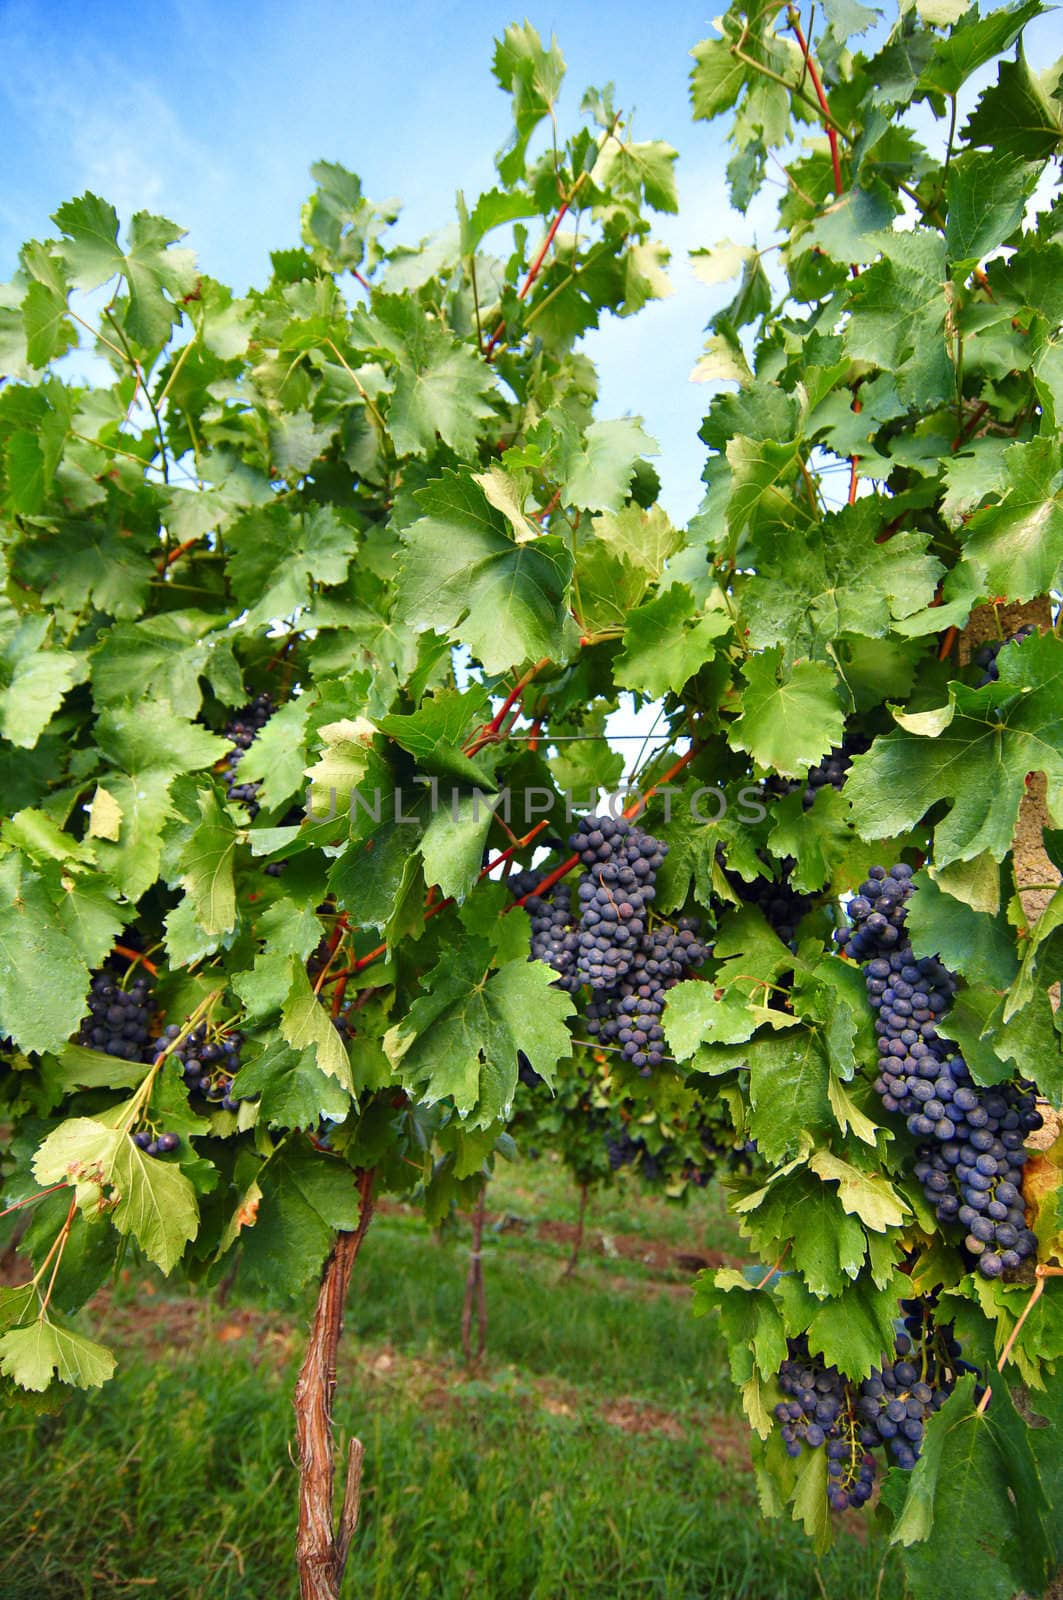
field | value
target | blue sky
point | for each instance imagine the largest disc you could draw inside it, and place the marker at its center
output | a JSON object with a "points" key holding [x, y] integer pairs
{"points": [[211, 113]]}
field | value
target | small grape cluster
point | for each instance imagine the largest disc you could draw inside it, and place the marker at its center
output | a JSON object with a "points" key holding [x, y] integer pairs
{"points": [[119, 1020], [887, 1410], [609, 946], [208, 1065], [242, 731], [554, 938], [781, 905], [895, 1401], [155, 1144], [986, 656], [831, 772], [818, 1413], [971, 1159]]}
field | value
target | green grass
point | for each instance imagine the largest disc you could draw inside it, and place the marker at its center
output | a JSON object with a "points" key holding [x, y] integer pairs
{"points": [[597, 1454]]}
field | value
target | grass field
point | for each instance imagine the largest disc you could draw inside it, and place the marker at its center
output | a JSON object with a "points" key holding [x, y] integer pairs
{"points": [[597, 1451]]}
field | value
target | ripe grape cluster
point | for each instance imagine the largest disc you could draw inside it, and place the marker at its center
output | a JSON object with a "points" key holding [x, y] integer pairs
{"points": [[831, 772], [208, 1065], [242, 731], [119, 1020], [971, 1156], [781, 906], [888, 1410], [630, 1011], [986, 656], [604, 939]]}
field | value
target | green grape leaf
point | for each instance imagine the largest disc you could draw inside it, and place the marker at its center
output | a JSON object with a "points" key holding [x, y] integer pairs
{"points": [[166, 655], [979, 946], [145, 1196], [973, 753], [287, 1219], [596, 469], [33, 941], [975, 1487], [292, 1090], [37, 681], [644, 539], [1019, 542], [49, 331], [865, 1195], [31, 1356], [898, 315], [790, 716], [987, 196], [442, 387], [1014, 117], [461, 1039], [434, 733], [853, 1333], [305, 1023], [836, 579], [206, 867], [972, 42], [532, 74], [278, 554], [827, 1246], [154, 273], [463, 575], [666, 641]]}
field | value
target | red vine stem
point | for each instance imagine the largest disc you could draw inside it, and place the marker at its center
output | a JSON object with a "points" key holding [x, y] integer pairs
{"points": [[535, 268], [551, 505], [1043, 1275], [32, 1198], [491, 731], [136, 956], [817, 83], [835, 160], [175, 555], [544, 248], [773, 1269]]}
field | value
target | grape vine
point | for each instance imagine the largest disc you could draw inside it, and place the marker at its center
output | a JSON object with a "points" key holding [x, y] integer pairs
{"points": [[318, 603]]}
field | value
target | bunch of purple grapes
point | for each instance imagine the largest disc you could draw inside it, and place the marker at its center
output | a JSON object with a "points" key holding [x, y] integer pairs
{"points": [[781, 905], [971, 1158], [896, 1400], [817, 1414], [208, 1066], [119, 1020], [242, 731], [887, 1410], [155, 1144], [614, 896], [609, 945], [554, 936]]}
